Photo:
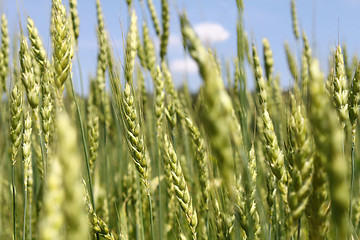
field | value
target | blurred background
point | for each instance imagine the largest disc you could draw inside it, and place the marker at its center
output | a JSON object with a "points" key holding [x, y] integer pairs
{"points": [[325, 22]]}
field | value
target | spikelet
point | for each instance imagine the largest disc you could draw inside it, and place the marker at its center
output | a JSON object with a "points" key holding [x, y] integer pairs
{"points": [[172, 97], [253, 191], [27, 165], [291, 62], [108, 114], [181, 187], [304, 74], [62, 45], [154, 16], [47, 110], [169, 84], [73, 207], [300, 161], [93, 134], [102, 62], [2, 81], [27, 75], [52, 216], [275, 156], [37, 46], [4, 68], [32, 88], [317, 210], [347, 64], [103, 55], [172, 202], [329, 140], [16, 114], [295, 24], [26, 148], [219, 105], [98, 226], [100, 81], [356, 218], [165, 28], [131, 45], [241, 209], [340, 92], [134, 137], [271, 196], [149, 51], [219, 221], [268, 59], [159, 99], [354, 98], [201, 162], [45, 75], [75, 21], [100, 17], [141, 87], [140, 51], [307, 48], [260, 82]]}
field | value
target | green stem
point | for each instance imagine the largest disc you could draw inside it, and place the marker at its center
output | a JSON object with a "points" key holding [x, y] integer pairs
{"points": [[84, 145], [106, 170], [44, 155], [25, 206], [38, 126], [151, 216], [13, 199], [30, 211], [158, 172], [140, 207], [270, 226], [352, 173], [80, 73]]}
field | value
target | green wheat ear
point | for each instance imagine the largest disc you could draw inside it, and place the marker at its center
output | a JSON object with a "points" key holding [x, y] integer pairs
{"points": [[165, 28], [354, 98], [36, 45], [329, 142], [93, 134], [275, 156], [4, 67], [181, 187], [154, 16], [340, 91], [61, 44], [16, 114], [219, 105], [75, 21], [32, 87], [295, 24], [70, 161], [135, 138], [268, 59], [52, 215], [300, 158]]}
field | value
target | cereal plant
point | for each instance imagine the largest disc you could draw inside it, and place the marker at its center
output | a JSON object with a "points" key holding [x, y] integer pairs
{"points": [[126, 161]]}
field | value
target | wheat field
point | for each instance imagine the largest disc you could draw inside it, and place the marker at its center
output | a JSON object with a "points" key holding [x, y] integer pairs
{"points": [[124, 162]]}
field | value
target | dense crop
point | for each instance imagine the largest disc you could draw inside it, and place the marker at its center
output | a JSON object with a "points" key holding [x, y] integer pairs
{"points": [[127, 163]]}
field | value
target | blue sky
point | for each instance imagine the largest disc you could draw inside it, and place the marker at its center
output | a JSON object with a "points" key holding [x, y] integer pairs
{"points": [[215, 21]]}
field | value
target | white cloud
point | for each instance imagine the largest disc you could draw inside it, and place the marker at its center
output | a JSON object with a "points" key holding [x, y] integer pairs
{"points": [[183, 65], [211, 32]]}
